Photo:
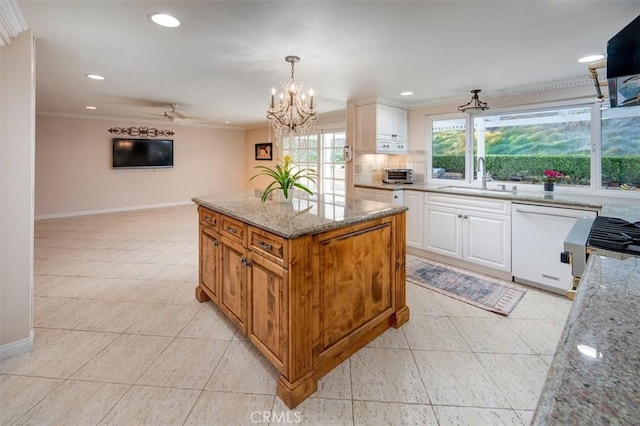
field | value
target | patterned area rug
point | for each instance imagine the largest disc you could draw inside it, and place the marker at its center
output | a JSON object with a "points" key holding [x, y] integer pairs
{"points": [[491, 296]]}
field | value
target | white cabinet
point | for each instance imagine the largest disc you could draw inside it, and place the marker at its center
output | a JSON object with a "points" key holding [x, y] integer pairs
{"points": [[414, 200], [382, 129], [472, 229], [381, 195], [443, 230], [537, 240]]}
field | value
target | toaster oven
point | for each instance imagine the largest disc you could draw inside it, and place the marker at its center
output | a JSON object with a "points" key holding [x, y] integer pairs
{"points": [[398, 176]]}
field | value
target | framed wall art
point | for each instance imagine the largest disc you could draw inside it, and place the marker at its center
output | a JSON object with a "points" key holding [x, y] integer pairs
{"points": [[264, 151]]}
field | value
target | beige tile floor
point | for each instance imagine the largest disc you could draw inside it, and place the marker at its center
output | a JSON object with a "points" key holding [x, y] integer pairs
{"points": [[120, 339]]}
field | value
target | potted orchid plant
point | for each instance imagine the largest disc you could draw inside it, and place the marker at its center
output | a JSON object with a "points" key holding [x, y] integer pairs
{"points": [[550, 177], [286, 177]]}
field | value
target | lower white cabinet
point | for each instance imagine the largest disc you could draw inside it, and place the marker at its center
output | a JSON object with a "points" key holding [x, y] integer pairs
{"points": [[381, 195], [414, 200], [468, 228]]}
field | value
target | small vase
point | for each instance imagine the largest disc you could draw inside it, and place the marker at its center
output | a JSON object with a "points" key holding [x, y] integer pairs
{"points": [[283, 199], [548, 186]]}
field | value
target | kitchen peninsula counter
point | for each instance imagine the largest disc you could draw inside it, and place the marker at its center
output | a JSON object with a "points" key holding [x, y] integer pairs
{"points": [[309, 282], [594, 377]]}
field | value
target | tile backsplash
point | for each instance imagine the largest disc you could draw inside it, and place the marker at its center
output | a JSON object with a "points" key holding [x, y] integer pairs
{"points": [[369, 168]]}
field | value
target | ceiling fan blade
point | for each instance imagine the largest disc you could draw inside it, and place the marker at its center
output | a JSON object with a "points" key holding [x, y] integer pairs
{"points": [[175, 114]]}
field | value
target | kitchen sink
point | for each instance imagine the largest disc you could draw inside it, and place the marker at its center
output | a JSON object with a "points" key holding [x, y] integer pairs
{"points": [[472, 190]]}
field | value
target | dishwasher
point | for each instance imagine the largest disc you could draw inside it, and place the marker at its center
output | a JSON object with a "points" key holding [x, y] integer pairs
{"points": [[537, 240]]}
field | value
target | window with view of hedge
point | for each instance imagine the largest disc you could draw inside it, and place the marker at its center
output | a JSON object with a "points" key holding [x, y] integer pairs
{"points": [[519, 146]]}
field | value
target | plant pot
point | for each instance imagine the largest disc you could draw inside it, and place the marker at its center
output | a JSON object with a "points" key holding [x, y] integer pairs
{"points": [[548, 186], [282, 198]]}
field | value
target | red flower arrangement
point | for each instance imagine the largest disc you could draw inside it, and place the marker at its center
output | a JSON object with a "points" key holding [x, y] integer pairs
{"points": [[552, 175]]}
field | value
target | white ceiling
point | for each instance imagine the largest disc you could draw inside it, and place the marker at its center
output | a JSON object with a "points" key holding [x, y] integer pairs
{"points": [[222, 61]]}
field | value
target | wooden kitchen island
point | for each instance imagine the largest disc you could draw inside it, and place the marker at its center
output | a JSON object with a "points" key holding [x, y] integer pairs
{"points": [[309, 282]]}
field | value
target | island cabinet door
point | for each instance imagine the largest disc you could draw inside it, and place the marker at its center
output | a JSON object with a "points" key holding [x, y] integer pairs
{"points": [[233, 282], [210, 262], [356, 288], [267, 322]]}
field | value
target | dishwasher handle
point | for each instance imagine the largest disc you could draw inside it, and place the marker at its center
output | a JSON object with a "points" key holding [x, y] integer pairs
{"points": [[567, 216]]}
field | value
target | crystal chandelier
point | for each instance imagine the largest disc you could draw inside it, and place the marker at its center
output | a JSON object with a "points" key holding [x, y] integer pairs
{"points": [[475, 104], [291, 115]]}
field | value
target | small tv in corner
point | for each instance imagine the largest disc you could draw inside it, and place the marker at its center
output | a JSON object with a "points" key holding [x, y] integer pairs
{"points": [[142, 153]]}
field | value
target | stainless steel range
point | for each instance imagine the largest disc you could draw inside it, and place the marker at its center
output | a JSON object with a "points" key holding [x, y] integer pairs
{"points": [[602, 232]]}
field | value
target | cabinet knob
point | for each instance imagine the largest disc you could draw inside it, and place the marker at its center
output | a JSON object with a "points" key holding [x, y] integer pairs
{"points": [[216, 243], [245, 261], [231, 229], [459, 215], [465, 217]]}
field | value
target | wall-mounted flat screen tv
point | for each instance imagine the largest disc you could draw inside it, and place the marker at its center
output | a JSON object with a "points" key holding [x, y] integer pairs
{"points": [[147, 153]]}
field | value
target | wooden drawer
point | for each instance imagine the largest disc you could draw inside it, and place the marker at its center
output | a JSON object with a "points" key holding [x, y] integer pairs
{"points": [[208, 218], [269, 245], [233, 229]]}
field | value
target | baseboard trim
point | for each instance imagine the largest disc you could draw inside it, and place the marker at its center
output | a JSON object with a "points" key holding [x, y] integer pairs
{"points": [[18, 347], [115, 210], [503, 275]]}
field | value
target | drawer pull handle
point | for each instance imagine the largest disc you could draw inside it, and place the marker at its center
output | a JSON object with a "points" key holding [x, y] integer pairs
{"points": [[550, 277], [265, 246], [208, 219], [231, 229]]}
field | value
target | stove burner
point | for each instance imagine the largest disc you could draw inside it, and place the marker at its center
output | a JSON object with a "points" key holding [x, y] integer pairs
{"points": [[615, 234]]}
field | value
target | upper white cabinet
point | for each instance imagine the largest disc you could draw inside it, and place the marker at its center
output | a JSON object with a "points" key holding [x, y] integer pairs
{"points": [[471, 229], [382, 129]]}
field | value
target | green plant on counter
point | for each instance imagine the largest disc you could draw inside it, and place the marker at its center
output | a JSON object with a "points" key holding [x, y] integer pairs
{"points": [[285, 177]]}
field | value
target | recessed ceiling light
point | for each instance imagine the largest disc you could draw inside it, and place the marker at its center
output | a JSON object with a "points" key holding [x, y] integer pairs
{"points": [[91, 107], [406, 93], [590, 58], [94, 76], [165, 20], [227, 122]]}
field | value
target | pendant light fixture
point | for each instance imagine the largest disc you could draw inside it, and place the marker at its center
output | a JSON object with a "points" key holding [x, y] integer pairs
{"points": [[475, 104], [289, 113]]}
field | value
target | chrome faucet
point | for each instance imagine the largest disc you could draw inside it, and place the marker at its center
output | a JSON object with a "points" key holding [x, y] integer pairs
{"points": [[482, 168]]}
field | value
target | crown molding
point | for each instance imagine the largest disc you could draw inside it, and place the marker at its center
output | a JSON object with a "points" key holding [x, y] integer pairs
{"points": [[12, 22], [534, 88], [142, 121]]}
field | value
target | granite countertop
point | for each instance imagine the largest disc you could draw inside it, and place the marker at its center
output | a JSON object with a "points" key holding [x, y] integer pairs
{"points": [[595, 374], [307, 214], [622, 207]]}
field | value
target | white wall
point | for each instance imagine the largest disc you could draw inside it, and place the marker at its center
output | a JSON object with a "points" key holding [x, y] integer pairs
{"points": [[74, 173], [254, 136], [417, 117], [17, 117]]}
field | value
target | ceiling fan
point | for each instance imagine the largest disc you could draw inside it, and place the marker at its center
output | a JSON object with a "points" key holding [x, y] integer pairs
{"points": [[174, 115]]}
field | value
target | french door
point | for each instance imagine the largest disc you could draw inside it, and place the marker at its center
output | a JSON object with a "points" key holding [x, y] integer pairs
{"points": [[323, 152]]}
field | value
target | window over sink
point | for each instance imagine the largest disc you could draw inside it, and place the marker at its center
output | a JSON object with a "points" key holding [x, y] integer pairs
{"points": [[591, 145]]}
